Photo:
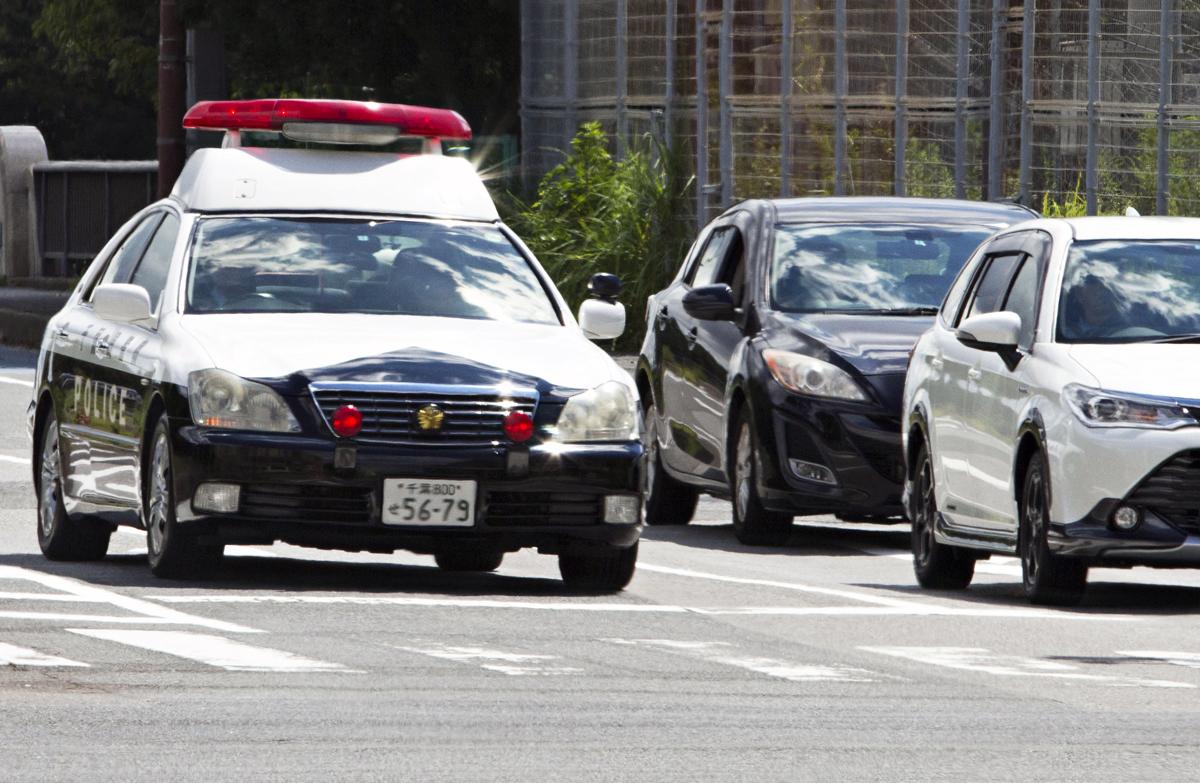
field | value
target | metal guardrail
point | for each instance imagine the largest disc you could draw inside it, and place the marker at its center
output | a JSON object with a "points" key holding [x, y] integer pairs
{"points": [[80, 204]]}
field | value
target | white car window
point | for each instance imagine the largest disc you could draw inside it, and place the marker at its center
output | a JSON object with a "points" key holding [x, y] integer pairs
{"points": [[993, 285], [151, 272]]}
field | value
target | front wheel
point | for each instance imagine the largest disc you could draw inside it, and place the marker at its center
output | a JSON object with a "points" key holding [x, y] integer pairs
{"points": [[62, 536], [937, 566], [752, 523], [668, 502], [172, 551], [1048, 579], [606, 571]]}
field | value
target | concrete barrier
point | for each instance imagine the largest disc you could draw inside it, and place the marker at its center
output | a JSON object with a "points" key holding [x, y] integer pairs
{"points": [[21, 146]]}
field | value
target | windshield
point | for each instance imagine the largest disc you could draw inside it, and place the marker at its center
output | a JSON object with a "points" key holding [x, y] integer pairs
{"points": [[868, 268], [1130, 291], [408, 267]]}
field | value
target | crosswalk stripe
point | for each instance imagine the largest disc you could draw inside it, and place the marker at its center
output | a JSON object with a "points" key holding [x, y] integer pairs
{"points": [[11, 655], [16, 381], [727, 655], [213, 650], [14, 460], [512, 664]]}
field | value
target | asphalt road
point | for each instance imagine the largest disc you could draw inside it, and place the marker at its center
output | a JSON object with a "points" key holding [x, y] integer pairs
{"points": [[819, 660]]}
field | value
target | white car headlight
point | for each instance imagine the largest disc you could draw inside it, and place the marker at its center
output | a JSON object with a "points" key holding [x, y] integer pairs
{"points": [[1099, 408], [606, 412], [808, 375], [222, 399]]}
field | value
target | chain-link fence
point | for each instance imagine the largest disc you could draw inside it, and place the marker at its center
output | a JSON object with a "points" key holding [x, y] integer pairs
{"points": [[1061, 104]]}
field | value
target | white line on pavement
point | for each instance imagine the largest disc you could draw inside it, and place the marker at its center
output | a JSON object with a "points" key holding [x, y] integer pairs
{"points": [[852, 595], [213, 650], [513, 664], [11, 655], [14, 460], [16, 381], [723, 653], [97, 595]]}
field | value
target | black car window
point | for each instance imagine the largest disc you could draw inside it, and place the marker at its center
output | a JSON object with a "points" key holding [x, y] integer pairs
{"points": [[151, 272], [993, 285], [121, 265], [1023, 298], [706, 269], [733, 270], [958, 292]]}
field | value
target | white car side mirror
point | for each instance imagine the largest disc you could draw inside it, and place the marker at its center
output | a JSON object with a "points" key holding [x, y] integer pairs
{"points": [[121, 302], [991, 331], [601, 320]]}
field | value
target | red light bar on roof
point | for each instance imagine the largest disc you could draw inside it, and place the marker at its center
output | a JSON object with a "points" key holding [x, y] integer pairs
{"points": [[275, 114]]}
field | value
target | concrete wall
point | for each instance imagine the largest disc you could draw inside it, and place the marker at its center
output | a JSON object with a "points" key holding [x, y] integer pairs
{"points": [[20, 147]]}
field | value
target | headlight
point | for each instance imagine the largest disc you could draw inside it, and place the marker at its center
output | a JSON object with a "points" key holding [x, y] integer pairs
{"points": [[222, 399], [606, 412], [806, 375], [1099, 408]]}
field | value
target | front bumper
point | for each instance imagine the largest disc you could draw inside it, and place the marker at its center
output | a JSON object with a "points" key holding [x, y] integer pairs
{"points": [[318, 492]]}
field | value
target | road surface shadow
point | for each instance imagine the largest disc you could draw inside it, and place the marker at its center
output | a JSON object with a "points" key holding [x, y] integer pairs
{"points": [[1100, 598], [819, 536]]}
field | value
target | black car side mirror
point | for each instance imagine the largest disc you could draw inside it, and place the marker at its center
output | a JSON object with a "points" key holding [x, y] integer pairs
{"points": [[605, 286], [711, 303]]}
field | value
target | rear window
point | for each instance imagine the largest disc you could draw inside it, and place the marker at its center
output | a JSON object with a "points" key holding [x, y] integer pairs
{"points": [[397, 267]]}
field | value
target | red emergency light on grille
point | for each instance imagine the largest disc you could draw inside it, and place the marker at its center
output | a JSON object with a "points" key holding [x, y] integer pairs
{"points": [[290, 115]]}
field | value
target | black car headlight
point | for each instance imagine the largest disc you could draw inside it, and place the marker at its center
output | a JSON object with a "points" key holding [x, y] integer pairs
{"points": [[809, 375], [221, 399]]}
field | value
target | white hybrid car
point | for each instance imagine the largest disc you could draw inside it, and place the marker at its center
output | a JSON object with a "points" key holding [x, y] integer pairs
{"points": [[1054, 408]]}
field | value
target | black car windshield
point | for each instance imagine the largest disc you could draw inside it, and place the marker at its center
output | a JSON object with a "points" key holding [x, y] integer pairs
{"points": [[869, 267], [1124, 291], [408, 267]]}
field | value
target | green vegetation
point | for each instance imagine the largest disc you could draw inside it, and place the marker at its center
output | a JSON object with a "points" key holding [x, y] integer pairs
{"points": [[597, 213]]}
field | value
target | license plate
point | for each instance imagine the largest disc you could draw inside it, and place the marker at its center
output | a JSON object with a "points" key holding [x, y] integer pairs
{"points": [[428, 502]]}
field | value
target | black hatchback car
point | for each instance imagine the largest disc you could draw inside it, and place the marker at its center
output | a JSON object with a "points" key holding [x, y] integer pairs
{"points": [[774, 363]]}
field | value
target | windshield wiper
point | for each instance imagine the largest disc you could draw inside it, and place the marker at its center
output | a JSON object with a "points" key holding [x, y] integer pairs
{"points": [[1176, 338], [922, 310]]}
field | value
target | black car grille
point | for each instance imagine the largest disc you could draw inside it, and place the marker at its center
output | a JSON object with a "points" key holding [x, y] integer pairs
{"points": [[306, 502], [526, 509], [1173, 491], [391, 416], [886, 457]]}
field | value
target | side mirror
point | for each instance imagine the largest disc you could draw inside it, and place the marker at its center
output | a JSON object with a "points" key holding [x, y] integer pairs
{"points": [[711, 303], [605, 286], [601, 320], [998, 332], [121, 302]]}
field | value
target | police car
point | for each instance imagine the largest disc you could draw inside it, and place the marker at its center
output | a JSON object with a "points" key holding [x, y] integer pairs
{"points": [[326, 336]]}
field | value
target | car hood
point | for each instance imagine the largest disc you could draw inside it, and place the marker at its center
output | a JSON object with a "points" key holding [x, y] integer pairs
{"points": [[1156, 370], [872, 344], [401, 349]]}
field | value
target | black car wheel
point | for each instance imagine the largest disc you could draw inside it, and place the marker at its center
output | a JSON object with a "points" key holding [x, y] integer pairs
{"points": [[466, 560], [937, 566], [173, 552], [753, 524], [667, 501], [1048, 578], [63, 536], [607, 570]]}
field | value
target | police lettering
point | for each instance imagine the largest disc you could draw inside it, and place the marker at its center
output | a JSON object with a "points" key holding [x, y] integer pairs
{"points": [[100, 400]]}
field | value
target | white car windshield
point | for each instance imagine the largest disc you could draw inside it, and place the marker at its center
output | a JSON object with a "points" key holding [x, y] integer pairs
{"points": [[406, 267], [867, 268], [1123, 291]]}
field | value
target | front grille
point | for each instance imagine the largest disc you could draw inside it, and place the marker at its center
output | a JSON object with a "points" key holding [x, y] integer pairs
{"points": [[526, 509], [1173, 491], [885, 456], [390, 416], [306, 502]]}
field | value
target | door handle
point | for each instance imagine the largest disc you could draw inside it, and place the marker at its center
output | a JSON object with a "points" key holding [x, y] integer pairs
{"points": [[62, 332], [974, 373], [936, 362], [692, 335], [663, 314], [102, 349]]}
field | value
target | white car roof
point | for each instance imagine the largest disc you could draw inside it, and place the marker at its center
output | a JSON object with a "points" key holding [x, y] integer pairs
{"points": [[288, 180], [1092, 228]]}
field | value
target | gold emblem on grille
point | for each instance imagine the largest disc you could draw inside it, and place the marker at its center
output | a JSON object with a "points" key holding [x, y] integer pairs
{"points": [[430, 418]]}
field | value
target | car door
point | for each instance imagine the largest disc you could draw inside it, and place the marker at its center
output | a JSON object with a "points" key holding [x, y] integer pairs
{"points": [[996, 406], [96, 400], [685, 408], [967, 481]]}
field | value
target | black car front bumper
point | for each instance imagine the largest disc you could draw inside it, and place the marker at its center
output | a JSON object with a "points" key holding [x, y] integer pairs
{"points": [[324, 493]]}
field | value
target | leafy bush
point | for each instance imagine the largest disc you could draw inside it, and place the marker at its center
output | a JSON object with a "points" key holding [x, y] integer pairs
{"points": [[596, 213]]}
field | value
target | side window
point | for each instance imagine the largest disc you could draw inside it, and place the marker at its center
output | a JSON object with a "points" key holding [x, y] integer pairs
{"points": [[733, 270], [706, 269], [1023, 298], [120, 266], [954, 297], [993, 284], [151, 273]]}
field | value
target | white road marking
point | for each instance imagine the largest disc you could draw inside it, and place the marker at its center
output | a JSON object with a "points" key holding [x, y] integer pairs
{"points": [[723, 653], [1188, 659], [91, 594], [15, 460], [213, 650], [512, 664], [14, 596], [978, 659], [16, 381], [11, 655]]}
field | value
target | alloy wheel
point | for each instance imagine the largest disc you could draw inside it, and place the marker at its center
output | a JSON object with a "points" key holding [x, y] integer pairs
{"points": [[926, 510], [743, 471], [50, 476], [160, 495], [1035, 515]]}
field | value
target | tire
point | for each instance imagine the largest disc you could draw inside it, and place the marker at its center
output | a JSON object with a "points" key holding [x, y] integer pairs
{"points": [[1048, 579], [172, 551], [667, 501], [62, 536], [937, 566], [607, 571], [477, 560], [753, 524]]}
